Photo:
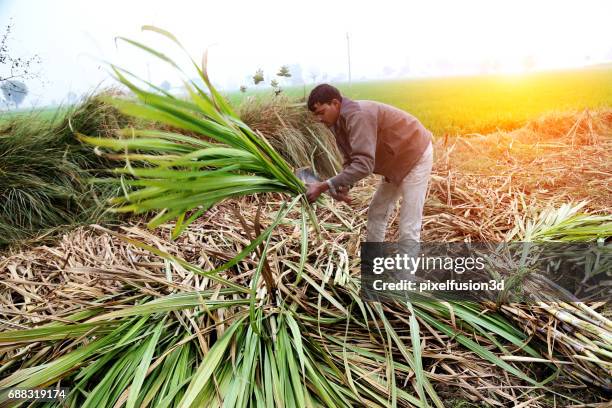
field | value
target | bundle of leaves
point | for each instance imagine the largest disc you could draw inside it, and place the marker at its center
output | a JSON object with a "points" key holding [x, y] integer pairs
{"points": [[181, 176]]}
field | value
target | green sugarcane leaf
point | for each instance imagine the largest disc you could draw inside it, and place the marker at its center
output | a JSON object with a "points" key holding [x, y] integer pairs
{"points": [[47, 333], [297, 341], [201, 72], [48, 373], [416, 352], [151, 51], [211, 361], [254, 321], [141, 371], [163, 217], [178, 230], [148, 144], [171, 136], [177, 302]]}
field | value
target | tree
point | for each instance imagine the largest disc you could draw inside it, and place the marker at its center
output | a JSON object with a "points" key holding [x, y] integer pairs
{"points": [[276, 87], [258, 77], [314, 73], [284, 72], [14, 91], [15, 67]]}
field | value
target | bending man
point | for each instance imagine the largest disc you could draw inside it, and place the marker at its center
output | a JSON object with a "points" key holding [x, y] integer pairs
{"points": [[377, 138]]}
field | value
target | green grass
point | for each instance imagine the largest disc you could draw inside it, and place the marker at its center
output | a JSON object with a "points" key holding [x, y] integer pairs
{"points": [[48, 114], [481, 104], [44, 171]]}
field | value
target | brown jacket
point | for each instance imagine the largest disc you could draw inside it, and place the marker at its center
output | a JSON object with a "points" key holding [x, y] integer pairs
{"points": [[374, 137]]}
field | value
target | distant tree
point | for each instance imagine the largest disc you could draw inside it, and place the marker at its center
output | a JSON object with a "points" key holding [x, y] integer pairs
{"points": [[314, 74], [276, 87], [243, 88], [165, 85], [14, 91], [15, 67], [284, 72], [258, 77]]}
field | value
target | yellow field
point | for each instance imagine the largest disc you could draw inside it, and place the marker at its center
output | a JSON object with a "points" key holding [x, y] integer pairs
{"points": [[481, 104]]}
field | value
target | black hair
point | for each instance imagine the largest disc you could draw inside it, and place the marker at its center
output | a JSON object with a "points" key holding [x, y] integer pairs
{"points": [[323, 93]]}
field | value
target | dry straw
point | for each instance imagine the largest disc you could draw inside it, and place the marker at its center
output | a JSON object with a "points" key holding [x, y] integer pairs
{"points": [[94, 269]]}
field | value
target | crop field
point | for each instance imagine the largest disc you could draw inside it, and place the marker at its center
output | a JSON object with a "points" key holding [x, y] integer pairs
{"points": [[160, 250], [482, 104], [46, 114], [458, 105]]}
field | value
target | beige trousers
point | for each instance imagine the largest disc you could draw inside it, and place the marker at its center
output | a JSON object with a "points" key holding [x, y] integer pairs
{"points": [[413, 189]]}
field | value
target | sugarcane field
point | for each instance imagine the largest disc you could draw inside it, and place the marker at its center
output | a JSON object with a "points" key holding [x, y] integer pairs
{"points": [[306, 204]]}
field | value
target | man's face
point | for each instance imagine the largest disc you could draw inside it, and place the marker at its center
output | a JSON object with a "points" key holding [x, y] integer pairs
{"points": [[327, 113]]}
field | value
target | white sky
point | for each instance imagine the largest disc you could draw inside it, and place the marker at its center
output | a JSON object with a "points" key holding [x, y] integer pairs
{"points": [[424, 38]]}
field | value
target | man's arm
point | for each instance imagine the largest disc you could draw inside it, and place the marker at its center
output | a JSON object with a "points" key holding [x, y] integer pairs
{"points": [[361, 127], [346, 159]]}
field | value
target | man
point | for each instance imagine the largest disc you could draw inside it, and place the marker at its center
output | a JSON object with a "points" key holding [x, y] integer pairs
{"points": [[377, 138]]}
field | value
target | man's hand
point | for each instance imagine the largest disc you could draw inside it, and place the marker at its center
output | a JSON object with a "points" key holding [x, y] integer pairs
{"points": [[314, 190], [341, 195]]}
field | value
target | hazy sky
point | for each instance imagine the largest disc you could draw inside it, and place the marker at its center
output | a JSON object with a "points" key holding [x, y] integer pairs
{"points": [[387, 37]]}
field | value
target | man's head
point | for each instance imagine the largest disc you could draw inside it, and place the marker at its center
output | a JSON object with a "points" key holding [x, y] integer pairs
{"points": [[324, 101]]}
